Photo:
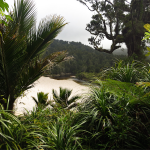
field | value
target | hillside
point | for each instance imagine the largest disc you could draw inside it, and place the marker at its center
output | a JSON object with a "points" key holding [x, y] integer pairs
{"points": [[85, 58]]}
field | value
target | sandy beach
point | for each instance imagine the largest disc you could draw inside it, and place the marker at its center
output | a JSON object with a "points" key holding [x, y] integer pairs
{"points": [[46, 84]]}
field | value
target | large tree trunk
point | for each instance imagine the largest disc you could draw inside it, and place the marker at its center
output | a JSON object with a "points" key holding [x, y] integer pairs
{"points": [[134, 46]]}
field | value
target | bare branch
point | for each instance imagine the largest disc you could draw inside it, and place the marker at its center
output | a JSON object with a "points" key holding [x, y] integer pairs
{"points": [[85, 5]]}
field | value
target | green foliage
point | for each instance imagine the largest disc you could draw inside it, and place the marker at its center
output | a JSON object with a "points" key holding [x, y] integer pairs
{"points": [[85, 58], [123, 72], [106, 120], [60, 135], [136, 95], [87, 76], [62, 100], [55, 128], [20, 54], [41, 99], [114, 115], [100, 113], [3, 17], [147, 34], [14, 135], [147, 37]]}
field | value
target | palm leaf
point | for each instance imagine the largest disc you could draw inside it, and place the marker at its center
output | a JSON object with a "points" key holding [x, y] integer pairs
{"points": [[73, 99], [48, 29], [20, 61], [35, 100], [63, 98]]}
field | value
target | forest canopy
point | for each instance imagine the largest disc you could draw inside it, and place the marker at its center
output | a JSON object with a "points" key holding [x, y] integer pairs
{"points": [[84, 58]]}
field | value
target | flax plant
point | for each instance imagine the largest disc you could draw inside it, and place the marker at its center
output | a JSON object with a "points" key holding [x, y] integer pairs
{"points": [[60, 135], [15, 135], [123, 72]]}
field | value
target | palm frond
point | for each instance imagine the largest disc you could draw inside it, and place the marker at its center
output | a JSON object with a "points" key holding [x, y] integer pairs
{"points": [[48, 29], [20, 61], [63, 98], [73, 99], [24, 16], [35, 100]]}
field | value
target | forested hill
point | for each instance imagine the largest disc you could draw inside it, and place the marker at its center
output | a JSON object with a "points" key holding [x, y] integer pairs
{"points": [[86, 59]]}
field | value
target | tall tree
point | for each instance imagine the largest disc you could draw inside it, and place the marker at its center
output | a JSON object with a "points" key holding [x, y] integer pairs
{"points": [[120, 21], [21, 46]]}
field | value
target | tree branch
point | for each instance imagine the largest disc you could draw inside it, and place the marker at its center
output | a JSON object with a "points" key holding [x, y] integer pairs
{"points": [[85, 5]]}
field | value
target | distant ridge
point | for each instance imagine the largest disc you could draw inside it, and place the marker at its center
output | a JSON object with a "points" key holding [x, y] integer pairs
{"points": [[86, 59]]}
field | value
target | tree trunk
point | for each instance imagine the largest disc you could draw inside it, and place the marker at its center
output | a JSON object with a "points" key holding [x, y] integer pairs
{"points": [[134, 46]]}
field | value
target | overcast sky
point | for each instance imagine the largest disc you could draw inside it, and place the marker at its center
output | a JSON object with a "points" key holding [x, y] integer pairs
{"points": [[76, 14]]}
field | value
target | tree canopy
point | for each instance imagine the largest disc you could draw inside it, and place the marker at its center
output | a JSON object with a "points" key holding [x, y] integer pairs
{"points": [[85, 58], [120, 21]]}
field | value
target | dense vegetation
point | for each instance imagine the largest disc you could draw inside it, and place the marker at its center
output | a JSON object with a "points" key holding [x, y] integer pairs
{"points": [[115, 114], [84, 58], [21, 45]]}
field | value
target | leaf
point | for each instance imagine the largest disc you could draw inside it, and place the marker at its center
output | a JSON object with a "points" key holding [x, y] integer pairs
{"points": [[147, 54], [4, 5], [147, 33], [8, 17], [143, 84], [0, 33], [148, 48], [147, 27], [134, 94]]}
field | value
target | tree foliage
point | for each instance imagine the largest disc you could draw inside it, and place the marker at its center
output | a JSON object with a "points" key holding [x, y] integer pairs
{"points": [[147, 37], [3, 17], [84, 58], [120, 21]]}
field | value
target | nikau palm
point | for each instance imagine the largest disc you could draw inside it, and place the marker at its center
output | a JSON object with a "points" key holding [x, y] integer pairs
{"points": [[41, 99], [21, 47], [63, 100]]}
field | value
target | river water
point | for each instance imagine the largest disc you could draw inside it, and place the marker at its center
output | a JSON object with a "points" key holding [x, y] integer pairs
{"points": [[46, 84]]}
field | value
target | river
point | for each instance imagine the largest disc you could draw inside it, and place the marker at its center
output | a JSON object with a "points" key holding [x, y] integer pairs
{"points": [[46, 84]]}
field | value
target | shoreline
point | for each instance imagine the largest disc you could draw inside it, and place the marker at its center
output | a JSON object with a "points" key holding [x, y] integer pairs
{"points": [[46, 84]]}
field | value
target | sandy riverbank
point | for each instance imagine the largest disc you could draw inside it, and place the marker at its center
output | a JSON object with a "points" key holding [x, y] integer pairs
{"points": [[46, 84]]}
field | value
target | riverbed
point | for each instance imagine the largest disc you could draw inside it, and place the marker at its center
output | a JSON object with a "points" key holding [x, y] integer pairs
{"points": [[46, 84]]}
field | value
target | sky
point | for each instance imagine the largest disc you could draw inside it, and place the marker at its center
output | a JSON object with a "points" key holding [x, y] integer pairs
{"points": [[76, 14]]}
